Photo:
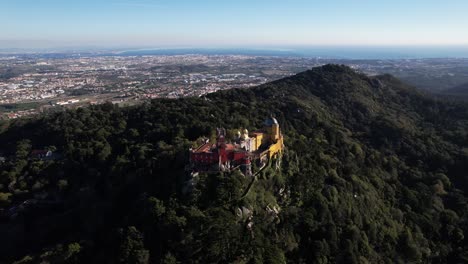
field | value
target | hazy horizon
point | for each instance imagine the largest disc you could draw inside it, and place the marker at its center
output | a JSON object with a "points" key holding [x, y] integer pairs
{"points": [[326, 52], [208, 23]]}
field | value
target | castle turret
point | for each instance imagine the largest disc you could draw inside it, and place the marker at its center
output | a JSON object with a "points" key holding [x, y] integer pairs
{"points": [[221, 137], [272, 128], [246, 167], [275, 132], [245, 134]]}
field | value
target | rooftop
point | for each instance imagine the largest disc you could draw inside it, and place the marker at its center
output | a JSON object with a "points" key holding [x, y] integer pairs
{"points": [[271, 121]]}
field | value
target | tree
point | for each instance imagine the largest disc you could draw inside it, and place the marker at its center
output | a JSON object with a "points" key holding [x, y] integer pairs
{"points": [[132, 248]]}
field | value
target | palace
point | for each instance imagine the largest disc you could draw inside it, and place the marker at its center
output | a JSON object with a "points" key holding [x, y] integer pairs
{"points": [[258, 146]]}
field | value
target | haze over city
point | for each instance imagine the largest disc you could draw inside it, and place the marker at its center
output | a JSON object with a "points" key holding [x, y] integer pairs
{"points": [[66, 54], [245, 131]]}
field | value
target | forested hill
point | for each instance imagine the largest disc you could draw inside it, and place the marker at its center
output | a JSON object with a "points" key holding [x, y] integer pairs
{"points": [[460, 91], [374, 172]]}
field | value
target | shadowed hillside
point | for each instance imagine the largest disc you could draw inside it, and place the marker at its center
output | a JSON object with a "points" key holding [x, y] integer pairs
{"points": [[461, 91], [373, 172]]}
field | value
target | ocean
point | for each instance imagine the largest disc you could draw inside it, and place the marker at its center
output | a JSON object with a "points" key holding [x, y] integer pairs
{"points": [[326, 52]]}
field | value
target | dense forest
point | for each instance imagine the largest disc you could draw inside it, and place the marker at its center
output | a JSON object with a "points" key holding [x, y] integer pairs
{"points": [[373, 172], [460, 91]]}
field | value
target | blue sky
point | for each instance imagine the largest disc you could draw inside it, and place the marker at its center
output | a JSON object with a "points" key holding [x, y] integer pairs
{"points": [[171, 23]]}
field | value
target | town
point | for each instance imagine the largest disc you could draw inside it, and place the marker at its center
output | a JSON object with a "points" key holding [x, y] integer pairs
{"points": [[35, 83]]}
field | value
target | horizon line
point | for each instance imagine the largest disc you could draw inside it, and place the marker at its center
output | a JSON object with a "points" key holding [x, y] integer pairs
{"points": [[247, 46]]}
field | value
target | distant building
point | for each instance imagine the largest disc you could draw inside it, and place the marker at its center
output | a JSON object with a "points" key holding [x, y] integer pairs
{"points": [[71, 101], [260, 146]]}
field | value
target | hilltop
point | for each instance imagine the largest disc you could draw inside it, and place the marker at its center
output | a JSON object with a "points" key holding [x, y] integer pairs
{"points": [[373, 172]]}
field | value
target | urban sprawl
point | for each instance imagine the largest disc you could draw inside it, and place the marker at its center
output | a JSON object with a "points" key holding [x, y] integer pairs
{"points": [[34, 83]]}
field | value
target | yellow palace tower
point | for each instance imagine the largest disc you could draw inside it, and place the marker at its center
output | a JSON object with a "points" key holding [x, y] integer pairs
{"points": [[275, 137]]}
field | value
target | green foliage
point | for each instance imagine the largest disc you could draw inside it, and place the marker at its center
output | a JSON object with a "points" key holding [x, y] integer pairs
{"points": [[132, 247], [373, 172], [24, 260], [72, 250]]}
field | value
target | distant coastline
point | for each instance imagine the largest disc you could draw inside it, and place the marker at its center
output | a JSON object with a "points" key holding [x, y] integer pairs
{"points": [[324, 52], [332, 52]]}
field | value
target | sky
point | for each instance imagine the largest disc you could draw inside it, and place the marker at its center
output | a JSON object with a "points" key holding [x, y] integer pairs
{"points": [[231, 23]]}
